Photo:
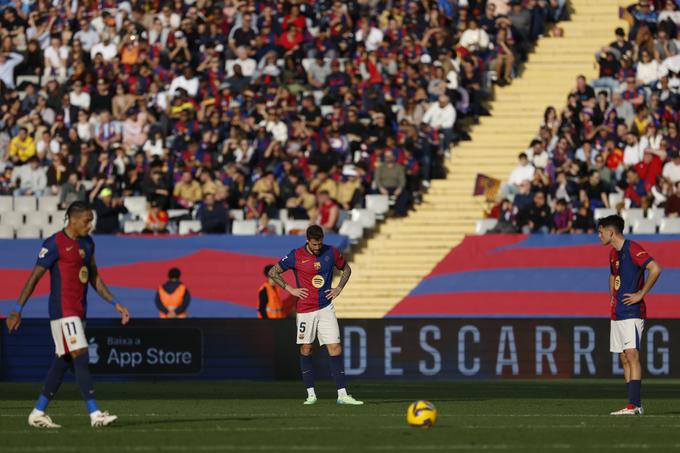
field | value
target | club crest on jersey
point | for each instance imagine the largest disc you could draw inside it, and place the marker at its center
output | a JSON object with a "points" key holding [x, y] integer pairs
{"points": [[81, 252], [73, 340], [301, 336], [317, 265], [617, 264], [84, 275], [318, 281], [617, 282]]}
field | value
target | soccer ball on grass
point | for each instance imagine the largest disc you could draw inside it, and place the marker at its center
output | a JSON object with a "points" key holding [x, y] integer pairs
{"points": [[421, 414]]}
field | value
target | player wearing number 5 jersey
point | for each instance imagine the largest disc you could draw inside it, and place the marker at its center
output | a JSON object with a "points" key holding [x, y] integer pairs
{"points": [[69, 256], [313, 266], [628, 262]]}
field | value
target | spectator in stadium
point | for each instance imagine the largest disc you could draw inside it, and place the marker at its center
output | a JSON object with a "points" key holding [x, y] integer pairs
{"points": [[270, 305], [672, 208], [328, 214], [213, 216], [72, 190], [593, 192], [173, 297], [21, 147], [506, 219], [29, 179], [187, 191], [537, 217], [302, 206], [584, 221], [390, 179], [441, 116], [156, 220], [562, 218], [524, 171], [671, 169], [108, 209]]}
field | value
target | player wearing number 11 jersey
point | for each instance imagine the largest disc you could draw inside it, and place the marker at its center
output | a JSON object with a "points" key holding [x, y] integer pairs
{"points": [[313, 266], [69, 256]]}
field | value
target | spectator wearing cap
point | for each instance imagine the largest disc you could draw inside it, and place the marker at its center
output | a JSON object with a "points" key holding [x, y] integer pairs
{"points": [[671, 169], [390, 179], [441, 116], [29, 179], [213, 216], [108, 209], [21, 147]]}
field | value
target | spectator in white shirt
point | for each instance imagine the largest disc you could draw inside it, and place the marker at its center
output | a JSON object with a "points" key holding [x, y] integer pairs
{"points": [[187, 81], [442, 116], [106, 47], [633, 152], [56, 57], [248, 65], [78, 97], [370, 36], [474, 38], [87, 35], [522, 172], [671, 170], [647, 68], [9, 61], [30, 179], [276, 127]]}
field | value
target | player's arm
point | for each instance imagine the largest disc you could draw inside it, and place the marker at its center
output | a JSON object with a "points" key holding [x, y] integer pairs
{"points": [[14, 317], [275, 274], [101, 289], [335, 292], [612, 293], [654, 273]]}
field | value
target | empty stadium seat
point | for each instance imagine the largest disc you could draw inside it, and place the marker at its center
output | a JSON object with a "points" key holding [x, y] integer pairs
{"points": [[277, 225], [484, 225], [670, 225], [631, 215], [615, 198], [353, 230], [136, 206], [283, 215], [379, 204], [37, 218], [244, 227], [28, 232], [48, 204], [189, 227], [236, 214], [644, 226], [12, 218], [58, 218], [174, 213], [25, 204], [655, 214], [365, 217], [295, 225], [603, 212], [6, 232], [133, 226], [5, 203]]}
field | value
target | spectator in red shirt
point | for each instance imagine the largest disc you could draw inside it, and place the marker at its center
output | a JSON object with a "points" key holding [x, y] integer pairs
{"points": [[327, 217], [650, 167]]}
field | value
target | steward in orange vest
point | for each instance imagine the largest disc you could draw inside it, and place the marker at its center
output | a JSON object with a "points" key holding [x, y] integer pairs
{"points": [[270, 304], [173, 298]]}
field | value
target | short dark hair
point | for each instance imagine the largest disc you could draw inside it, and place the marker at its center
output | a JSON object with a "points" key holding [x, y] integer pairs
{"points": [[267, 268], [174, 274], [315, 232], [77, 207], [613, 221]]}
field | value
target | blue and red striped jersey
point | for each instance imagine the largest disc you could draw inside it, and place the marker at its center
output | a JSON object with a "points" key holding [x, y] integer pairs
{"points": [[69, 263], [628, 268], [314, 272]]}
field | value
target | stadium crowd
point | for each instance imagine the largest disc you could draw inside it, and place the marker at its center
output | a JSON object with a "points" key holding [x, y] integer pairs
{"points": [[618, 134], [254, 106]]}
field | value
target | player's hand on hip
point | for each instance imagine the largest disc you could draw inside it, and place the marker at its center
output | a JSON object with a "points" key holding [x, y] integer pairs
{"points": [[333, 293], [301, 293], [632, 299], [13, 321], [124, 314]]}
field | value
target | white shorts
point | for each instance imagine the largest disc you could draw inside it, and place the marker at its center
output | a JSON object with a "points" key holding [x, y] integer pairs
{"points": [[320, 323], [626, 334], [68, 335]]}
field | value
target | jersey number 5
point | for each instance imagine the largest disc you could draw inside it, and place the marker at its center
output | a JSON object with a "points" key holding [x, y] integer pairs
{"points": [[303, 326]]}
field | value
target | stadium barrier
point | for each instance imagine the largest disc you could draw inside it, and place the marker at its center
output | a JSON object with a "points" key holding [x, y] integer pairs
{"points": [[374, 349]]}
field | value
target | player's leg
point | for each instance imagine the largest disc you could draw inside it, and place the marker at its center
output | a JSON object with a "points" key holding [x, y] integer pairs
{"points": [[627, 342], [329, 335], [306, 334], [74, 332], [55, 376]]}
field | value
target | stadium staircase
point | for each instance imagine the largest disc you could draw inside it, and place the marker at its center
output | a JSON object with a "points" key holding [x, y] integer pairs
{"points": [[405, 250]]}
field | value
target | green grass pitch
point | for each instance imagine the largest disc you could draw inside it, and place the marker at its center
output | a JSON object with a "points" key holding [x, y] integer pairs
{"points": [[269, 416]]}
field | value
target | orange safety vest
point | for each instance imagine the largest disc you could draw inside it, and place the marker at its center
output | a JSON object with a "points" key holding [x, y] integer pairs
{"points": [[173, 300], [274, 305]]}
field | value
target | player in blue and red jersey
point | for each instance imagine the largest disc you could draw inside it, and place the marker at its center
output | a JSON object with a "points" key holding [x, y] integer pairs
{"points": [[627, 289], [69, 256], [313, 265]]}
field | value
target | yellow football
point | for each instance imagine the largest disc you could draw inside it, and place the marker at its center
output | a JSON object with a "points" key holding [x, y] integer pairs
{"points": [[421, 414]]}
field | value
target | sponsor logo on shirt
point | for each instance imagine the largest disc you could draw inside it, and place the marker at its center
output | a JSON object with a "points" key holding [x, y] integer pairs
{"points": [[318, 281]]}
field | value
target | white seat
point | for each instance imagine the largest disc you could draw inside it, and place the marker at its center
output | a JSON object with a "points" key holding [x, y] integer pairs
{"points": [[644, 226], [292, 225], [283, 214], [6, 232], [378, 203], [136, 206], [277, 225], [655, 214], [28, 232], [49, 230], [484, 225], [37, 218], [174, 213], [236, 214], [326, 110], [670, 225], [244, 227], [59, 218], [603, 212], [48, 204], [88, 184], [25, 204], [353, 230], [133, 226], [12, 218], [630, 215], [35, 80], [365, 217], [615, 198], [6, 203], [189, 227]]}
